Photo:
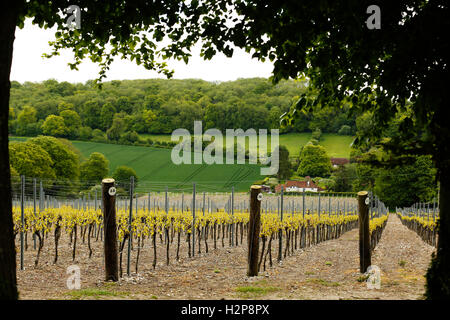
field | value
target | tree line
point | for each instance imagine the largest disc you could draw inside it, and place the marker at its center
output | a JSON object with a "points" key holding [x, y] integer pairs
{"points": [[123, 110], [61, 167], [398, 179]]}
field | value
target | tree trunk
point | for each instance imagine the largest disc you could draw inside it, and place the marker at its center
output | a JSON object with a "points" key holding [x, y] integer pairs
{"points": [[178, 245], [74, 242], [57, 236], [120, 254], [189, 244], [215, 235], [138, 253], [206, 237], [8, 282], [438, 276], [41, 244], [269, 249], [89, 240], [154, 248], [167, 245], [262, 253]]}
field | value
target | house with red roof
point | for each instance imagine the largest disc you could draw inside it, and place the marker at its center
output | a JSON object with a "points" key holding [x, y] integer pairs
{"points": [[299, 186], [265, 188], [336, 162]]}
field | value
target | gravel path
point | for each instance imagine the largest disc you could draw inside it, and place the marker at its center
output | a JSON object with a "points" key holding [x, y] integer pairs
{"points": [[401, 255], [329, 270]]}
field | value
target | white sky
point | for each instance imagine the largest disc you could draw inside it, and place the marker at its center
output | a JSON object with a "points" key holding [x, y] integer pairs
{"points": [[31, 42]]}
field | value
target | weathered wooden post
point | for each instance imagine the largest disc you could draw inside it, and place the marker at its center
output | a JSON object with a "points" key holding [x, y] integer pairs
{"points": [[253, 232], [280, 232], [22, 218], [364, 239], [130, 227], [303, 202], [318, 206], [193, 219], [34, 209], [232, 215], [110, 229]]}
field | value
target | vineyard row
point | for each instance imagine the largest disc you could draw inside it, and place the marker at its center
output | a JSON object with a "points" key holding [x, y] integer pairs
{"points": [[294, 231]]}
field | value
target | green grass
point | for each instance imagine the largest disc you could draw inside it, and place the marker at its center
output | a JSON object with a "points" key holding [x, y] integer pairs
{"points": [[155, 169], [363, 278], [323, 282], [294, 141], [94, 293], [156, 137], [337, 146], [258, 289], [18, 138]]}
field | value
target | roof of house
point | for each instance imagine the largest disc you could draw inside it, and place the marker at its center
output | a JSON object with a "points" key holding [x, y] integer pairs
{"points": [[339, 161], [308, 183]]}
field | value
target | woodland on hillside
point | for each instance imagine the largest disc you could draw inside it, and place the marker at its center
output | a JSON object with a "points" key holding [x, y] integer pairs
{"points": [[124, 109]]}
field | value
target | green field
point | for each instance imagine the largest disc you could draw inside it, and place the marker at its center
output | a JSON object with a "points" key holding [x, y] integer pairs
{"points": [[337, 146], [156, 137], [156, 170], [294, 141]]}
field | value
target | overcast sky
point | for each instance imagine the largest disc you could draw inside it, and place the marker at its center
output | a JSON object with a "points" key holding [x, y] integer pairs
{"points": [[31, 42]]}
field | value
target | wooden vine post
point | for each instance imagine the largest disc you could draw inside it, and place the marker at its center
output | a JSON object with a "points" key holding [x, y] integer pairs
{"points": [[110, 229], [253, 231], [364, 236]]}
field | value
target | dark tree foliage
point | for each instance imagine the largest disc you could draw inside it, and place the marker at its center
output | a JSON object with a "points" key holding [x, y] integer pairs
{"points": [[122, 176], [244, 103], [343, 177], [406, 184], [403, 67], [326, 41], [285, 168]]}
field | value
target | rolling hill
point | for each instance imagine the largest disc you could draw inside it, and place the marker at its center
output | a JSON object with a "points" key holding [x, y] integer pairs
{"points": [[155, 169]]}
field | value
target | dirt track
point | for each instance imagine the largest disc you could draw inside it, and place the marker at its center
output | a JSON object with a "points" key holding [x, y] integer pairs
{"points": [[329, 270]]}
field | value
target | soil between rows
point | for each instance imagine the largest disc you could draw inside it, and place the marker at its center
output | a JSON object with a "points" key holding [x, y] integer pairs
{"points": [[329, 270]]}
